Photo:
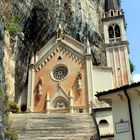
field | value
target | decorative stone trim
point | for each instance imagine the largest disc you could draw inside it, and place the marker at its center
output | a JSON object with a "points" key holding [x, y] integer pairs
{"points": [[65, 51]]}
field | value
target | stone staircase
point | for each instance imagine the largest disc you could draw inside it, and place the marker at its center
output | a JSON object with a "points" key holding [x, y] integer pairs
{"points": [[63, 126]]}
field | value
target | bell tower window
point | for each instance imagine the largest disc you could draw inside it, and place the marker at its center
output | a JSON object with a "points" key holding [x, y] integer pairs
{"points": [[112, 13], [117, 31], [114, 33], [111, 32]]}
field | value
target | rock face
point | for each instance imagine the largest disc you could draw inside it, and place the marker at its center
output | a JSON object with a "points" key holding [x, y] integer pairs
{"points": [[80, 19]]}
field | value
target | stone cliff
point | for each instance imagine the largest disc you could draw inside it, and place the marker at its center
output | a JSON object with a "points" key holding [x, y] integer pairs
{"points": [[80, 19]]}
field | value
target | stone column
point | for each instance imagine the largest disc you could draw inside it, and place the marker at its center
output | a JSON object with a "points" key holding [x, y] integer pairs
{"points": [[89, 74], [71, 101], [30, 95], [48, 103]]}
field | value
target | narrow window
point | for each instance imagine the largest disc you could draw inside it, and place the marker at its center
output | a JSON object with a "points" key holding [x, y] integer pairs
{"points": [[112, 13], [117, 31], [111, 32], [118, 13]]}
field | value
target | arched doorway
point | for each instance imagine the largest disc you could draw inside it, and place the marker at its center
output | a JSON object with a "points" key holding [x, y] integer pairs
{"points": [[60, 105]]}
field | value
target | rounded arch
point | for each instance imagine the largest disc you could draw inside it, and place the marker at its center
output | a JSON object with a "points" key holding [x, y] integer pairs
{"points": [[60, 102], [112, 13], [103, 121], [117, 31], [118, 13], [23, 107], [111, 31]]}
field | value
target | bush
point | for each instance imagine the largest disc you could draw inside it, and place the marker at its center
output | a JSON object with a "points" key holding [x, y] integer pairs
{"points": [[13, 107], [13, 25], [11, 134], [132, 67]]}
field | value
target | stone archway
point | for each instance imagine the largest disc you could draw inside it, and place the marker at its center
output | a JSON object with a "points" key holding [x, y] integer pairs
{"points": [[61, 105]]}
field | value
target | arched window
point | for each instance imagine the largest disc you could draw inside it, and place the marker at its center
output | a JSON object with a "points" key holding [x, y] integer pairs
{"points": [[117, 31], [112, 13], [118, 13], [103, 122], [111, 32], [114, 33], [23, 108]]}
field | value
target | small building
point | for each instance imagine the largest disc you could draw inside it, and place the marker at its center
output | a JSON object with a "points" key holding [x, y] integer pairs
{"points": [[125, 102], [103, 117]]}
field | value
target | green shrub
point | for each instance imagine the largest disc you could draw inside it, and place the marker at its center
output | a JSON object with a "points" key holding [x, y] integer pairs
{"points": [[1, 93], [132, 67], [13, 25], [13, 107], [11, 134]]}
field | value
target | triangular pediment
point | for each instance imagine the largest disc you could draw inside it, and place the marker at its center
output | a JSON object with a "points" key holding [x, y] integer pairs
{"points": [[60, 93], [66, 44]]}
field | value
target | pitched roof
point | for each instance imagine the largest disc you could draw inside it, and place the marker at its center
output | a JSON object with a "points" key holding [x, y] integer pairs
{"points": [[117, 89], [110, 5]]}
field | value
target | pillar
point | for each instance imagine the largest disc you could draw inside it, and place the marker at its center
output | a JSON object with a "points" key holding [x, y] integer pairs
{"points": [[89, 74], [48, 103], [30, 94], [71, 101]]}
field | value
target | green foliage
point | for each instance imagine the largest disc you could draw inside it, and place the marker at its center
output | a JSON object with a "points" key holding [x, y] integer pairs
{"points": [[11, 134], [1, 93], [13, 107], [132, 67], [119, 2], [124, 21], [13, 25]]}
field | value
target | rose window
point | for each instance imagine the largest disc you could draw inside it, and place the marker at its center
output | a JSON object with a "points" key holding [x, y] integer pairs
{"points": [[60, 72]]}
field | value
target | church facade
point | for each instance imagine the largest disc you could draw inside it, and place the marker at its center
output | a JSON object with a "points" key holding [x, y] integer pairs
{"points": [[62, 77]]}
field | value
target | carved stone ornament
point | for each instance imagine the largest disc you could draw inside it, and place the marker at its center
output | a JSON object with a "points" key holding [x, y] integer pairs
{"points": [[39, 84], [79, 82], [60, 104]]}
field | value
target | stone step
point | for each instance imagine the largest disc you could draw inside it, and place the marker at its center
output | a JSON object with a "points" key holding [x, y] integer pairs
{"points": [[42, 126], [63, 137], [57, 138]]}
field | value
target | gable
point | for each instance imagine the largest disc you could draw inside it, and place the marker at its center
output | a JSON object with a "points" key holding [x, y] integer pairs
{"points": [[67, 45]]}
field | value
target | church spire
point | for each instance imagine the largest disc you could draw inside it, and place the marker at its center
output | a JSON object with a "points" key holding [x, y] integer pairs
{"points": [[111, 5]]}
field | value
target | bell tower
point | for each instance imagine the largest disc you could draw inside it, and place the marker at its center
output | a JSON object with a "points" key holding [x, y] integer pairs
{"points": [[116, 44]]}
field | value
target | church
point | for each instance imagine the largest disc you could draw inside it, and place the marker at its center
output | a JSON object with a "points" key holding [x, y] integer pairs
{"points": [[62, 76], [63, 79]]}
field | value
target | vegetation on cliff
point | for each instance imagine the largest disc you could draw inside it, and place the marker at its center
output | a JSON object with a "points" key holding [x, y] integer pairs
{"points": [[6, 131], [13, 24]]}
